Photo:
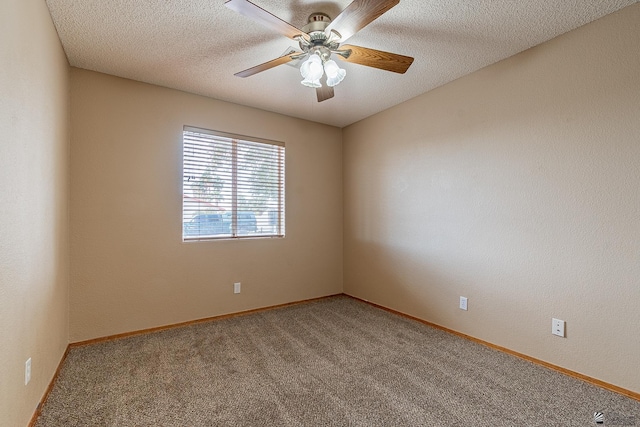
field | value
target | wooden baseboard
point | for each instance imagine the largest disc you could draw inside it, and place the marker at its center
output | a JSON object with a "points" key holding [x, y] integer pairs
{"points": [[45, 396], [568, 372], [36, 414], [193, 322], [590, 380]]}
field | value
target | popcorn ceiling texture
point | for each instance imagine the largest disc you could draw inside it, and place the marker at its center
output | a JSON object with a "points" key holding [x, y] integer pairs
{"points": [[197, 46]]}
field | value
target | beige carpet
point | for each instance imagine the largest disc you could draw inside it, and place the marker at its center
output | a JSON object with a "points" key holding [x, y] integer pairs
{"points": [[333, 362]]}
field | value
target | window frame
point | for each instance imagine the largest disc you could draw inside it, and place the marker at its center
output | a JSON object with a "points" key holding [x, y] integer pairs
{"points": [[236, 140]]}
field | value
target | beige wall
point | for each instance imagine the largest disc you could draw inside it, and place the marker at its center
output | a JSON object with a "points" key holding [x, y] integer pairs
{"points": [[129, 267], [517, 187], [33, 205]]}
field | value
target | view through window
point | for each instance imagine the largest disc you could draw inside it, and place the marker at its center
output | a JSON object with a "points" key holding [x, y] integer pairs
{"points": [[233, 186]]}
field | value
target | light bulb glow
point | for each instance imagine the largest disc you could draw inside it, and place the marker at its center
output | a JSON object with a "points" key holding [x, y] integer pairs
{"points": [[312, 71]]}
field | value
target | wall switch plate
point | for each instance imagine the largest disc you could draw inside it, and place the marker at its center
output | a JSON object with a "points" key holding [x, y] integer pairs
{"points": [[236, 288], [557, 327], [463, 303], [27, 371]]}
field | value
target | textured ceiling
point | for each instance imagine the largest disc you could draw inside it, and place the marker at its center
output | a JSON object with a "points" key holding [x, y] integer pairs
{"points": [[197, 46]]}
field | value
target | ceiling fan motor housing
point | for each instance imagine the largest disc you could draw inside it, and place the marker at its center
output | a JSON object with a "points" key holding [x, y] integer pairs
{"points": [[318, 42]]}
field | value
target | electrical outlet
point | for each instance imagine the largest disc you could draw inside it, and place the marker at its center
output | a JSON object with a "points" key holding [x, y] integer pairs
{"points": [[557, 327], [27, 371], [236, 288], [463, 303]]}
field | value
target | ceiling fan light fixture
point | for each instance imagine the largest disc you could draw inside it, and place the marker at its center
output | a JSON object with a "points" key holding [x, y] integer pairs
{"points": [[312, 71], [335, 74]]}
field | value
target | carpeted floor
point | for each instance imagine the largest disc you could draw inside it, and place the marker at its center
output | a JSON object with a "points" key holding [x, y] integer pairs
{"points": [[333, 362]]}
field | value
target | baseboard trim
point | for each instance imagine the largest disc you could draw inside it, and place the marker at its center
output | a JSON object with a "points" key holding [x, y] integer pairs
{"points": [[45, 396], [193, 322], [568, 372]]}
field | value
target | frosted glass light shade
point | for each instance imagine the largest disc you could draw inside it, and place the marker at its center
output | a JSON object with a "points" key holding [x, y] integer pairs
{"points": [[311, 83], [335, 74], [312, 71]]}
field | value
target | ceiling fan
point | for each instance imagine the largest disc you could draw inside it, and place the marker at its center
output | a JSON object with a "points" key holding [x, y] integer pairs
{"points": [[320, 38]]}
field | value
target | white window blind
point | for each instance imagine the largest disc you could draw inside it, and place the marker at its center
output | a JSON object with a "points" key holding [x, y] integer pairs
{"points": [[233, 186]]}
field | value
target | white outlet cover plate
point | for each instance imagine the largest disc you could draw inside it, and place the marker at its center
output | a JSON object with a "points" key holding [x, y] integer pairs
{"points": [[557, 327], [463, 303], [236, 288]]}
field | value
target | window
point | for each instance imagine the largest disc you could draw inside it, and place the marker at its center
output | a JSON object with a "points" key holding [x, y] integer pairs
{"points": [[233, 186]]}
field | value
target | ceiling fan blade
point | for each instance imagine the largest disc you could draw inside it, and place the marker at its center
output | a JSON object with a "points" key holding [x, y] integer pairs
{"points": [[325, 92], [269, 20], [377, 58], [269, 64], [358, 15]]}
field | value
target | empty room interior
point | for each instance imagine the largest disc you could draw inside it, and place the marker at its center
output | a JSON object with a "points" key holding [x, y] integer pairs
{"points": [[470, 179]]}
